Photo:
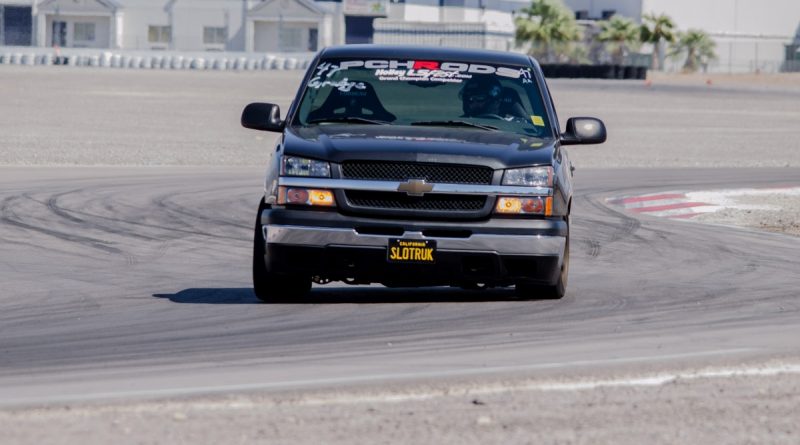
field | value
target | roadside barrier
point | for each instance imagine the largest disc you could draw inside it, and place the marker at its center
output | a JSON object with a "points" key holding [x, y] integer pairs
{"points": [[222, 61], [247, 62], [558, 70]]}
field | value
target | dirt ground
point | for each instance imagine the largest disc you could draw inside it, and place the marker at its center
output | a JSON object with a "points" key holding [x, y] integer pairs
{"points": [[782, 215], [752, 409]]}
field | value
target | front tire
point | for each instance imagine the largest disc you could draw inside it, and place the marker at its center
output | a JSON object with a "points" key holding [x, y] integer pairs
{"points": [[271, 287]]}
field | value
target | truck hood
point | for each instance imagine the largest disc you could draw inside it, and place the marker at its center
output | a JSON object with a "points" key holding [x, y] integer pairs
{"points": [[459, 145]]}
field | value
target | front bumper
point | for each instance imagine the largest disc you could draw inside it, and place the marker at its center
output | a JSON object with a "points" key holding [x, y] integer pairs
{"points": [[339, 247]]}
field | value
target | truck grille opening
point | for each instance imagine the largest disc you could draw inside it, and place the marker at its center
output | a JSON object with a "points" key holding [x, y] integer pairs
{"points": [[380, 230], [447, 233], [401, 201], [402, 171]]}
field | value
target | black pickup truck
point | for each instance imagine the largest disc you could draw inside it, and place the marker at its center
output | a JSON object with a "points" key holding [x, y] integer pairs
{"points": [[417, 166]]}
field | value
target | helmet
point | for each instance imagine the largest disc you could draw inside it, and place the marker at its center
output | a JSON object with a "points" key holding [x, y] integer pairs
{"points": [[480, 95]]}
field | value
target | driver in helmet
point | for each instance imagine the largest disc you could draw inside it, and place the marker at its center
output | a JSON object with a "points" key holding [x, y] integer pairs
{"points": [[481, 96]]}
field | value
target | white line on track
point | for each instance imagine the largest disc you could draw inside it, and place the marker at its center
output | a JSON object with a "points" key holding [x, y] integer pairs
{"points": [[380, 377], [582, 385], [663, 378]]}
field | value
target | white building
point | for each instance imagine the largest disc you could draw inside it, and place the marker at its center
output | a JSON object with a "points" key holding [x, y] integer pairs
{"points": [[751, 35], [77, 23], [288, 25], [463, 23], [254, 25]]}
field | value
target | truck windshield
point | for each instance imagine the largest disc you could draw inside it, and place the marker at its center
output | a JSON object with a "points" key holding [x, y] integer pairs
{"points": [[479, 97]]}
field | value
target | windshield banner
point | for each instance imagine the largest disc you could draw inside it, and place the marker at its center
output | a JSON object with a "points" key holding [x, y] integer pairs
{"points": [[413, 71]]}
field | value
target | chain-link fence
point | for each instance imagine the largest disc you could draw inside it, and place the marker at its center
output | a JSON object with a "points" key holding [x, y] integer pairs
{"points": [[745, 54]]}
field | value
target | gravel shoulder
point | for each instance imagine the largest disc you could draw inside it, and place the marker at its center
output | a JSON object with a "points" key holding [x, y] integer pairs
{"points": [[701, 407], [775, 212]]}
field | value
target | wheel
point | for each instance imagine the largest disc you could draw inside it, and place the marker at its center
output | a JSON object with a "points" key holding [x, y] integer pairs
{"points": [[271, 287], [528, 290]]}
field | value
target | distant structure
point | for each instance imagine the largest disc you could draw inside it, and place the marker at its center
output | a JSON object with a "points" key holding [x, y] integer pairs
{"points": [[751, 35], [16, 23], [793, 54], [254, 25]]}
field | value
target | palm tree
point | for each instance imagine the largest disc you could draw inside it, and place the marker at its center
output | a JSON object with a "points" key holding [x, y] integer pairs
{"points": [[657, 29], [699, 49], [619, 33], [546, 25]]}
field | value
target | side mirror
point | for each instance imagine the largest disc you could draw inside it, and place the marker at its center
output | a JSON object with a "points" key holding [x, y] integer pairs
{"points": [[584, 130], [261, 116]]}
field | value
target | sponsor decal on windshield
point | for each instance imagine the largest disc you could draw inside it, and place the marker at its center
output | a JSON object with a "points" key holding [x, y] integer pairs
{"points": [[325, 70], [343, 85], [411, 71], [525, 74], [421, 75]]}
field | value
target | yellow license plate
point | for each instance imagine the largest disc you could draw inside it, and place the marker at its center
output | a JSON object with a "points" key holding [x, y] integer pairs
{"points": [[411, 251]]}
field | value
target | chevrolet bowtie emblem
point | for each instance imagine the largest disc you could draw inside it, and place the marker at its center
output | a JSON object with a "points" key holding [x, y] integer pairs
{"points": [[415, 187]]}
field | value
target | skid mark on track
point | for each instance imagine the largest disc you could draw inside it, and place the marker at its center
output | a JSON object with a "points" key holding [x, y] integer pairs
{"points": [[52, 204], [591, 246], [8, 216], [127, 225], [182, 211], [94, 221], [603, 231], [184, 217], [626, 225]]}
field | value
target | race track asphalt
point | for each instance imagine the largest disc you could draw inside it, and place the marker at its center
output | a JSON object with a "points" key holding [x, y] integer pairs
{"points": [[130, 282], [127, 201]]}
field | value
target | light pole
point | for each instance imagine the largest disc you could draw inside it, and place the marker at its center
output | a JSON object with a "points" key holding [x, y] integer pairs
{"points": [[56, 41], [734, 35]]}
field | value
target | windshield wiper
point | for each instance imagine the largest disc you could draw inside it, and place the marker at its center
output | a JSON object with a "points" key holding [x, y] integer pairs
{"points": [[348, 119], [454, 124]]}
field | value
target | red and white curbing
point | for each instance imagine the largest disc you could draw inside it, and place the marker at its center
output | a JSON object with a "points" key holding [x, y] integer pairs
{"points": [[686, 205], [665, 204]]}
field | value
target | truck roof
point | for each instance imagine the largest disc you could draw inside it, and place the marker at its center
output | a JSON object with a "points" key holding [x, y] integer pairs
{"points": [[425, 52]]}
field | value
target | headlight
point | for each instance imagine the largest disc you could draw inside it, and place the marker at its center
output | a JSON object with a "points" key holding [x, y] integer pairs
{"points": [[529, 177], [294, 166], [304, 196], [514, 205]]}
